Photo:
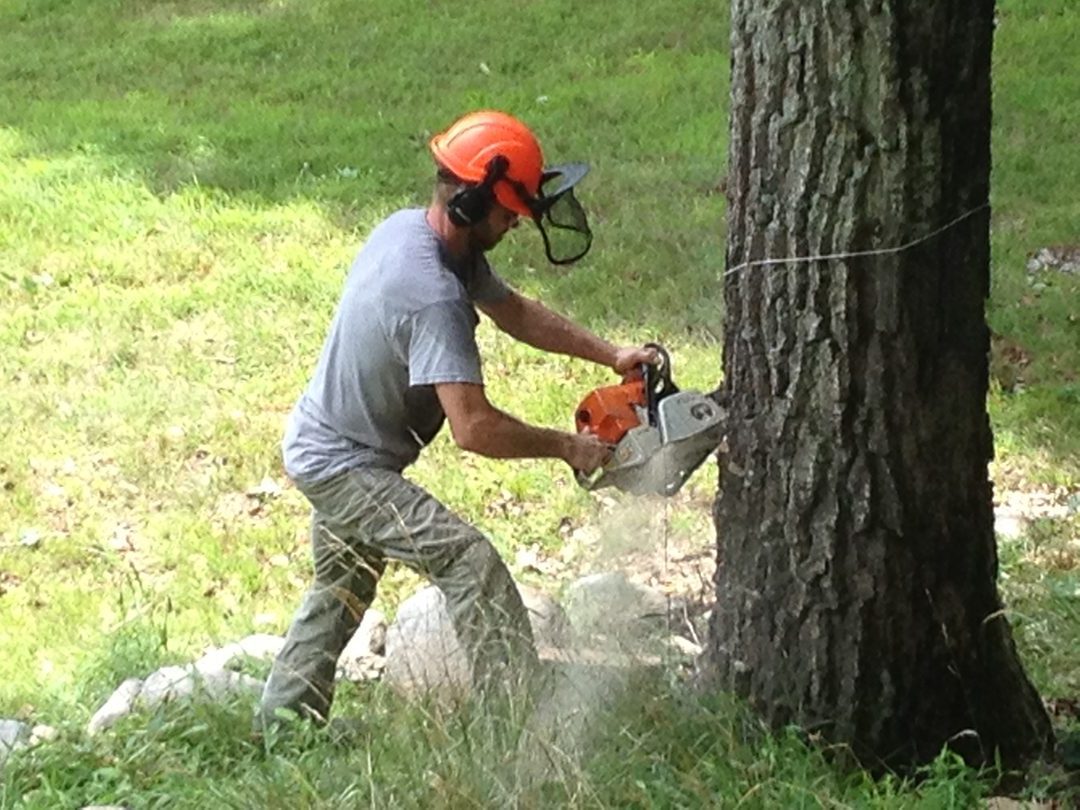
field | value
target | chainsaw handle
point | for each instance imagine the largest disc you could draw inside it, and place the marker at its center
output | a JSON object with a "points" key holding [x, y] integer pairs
{"points": [[663, 360], [658, 382]]}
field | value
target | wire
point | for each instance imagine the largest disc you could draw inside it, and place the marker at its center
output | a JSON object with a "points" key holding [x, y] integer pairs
{"points": [[855, 253]]}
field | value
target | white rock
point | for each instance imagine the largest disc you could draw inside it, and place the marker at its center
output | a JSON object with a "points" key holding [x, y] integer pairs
{"points": [[118, 705], [1009, 524], [549, 623], [167, 683], [369, 638], [217, 659], [362, 658], [609, 604], [261, 646], [41, 733], [14, 734], [366, 668], [174, 683], [684, 646], [223, 684], [422, 648]]}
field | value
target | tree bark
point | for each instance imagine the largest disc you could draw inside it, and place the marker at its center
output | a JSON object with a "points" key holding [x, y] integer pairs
{"points": [[856, 586]]}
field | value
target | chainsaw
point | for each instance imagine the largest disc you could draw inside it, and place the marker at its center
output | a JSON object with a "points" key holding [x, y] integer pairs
{"points": [[659, 434]]}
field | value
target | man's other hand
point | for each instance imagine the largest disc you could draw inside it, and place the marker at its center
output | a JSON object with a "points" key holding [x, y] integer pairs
{"points": [[586, 452], [629, 359]]}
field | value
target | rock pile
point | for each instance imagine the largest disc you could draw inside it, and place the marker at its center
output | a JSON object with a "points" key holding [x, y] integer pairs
{"points": [[606, 618]]}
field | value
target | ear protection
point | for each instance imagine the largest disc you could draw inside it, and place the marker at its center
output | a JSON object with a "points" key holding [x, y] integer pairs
{"points": [[472, 203]]}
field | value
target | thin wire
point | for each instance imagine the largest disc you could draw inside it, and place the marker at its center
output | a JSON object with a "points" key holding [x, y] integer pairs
{"points": [[852, 254]]}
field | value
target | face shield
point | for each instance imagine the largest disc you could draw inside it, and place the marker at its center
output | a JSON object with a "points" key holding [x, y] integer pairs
{"points": [[557, 213]]}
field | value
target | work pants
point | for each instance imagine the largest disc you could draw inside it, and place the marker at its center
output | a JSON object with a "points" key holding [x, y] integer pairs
{"points": [[361, 519]]}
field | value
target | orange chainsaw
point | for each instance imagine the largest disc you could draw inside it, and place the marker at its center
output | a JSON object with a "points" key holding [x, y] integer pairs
{"points": [[659, 434]]}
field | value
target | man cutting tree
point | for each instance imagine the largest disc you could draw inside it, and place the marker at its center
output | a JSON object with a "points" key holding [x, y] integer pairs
{"points": [[399, 359]]}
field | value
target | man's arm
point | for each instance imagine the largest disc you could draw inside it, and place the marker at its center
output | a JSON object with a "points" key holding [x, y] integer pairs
{"points": [[480, 427], [531, 322]]}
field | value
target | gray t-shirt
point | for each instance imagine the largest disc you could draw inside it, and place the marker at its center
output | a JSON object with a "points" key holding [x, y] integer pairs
{"points": [[405, 322]]}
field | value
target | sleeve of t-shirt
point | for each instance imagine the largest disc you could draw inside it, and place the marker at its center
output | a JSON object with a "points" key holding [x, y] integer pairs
{"points": [[485, 286], [442, 345]]}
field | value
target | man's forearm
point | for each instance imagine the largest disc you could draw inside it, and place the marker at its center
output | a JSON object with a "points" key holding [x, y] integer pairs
{"points": [[540, 327], [497, 434]]}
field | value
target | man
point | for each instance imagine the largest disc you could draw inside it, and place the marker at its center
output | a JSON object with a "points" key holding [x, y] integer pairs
{"points": [[401, 357]]}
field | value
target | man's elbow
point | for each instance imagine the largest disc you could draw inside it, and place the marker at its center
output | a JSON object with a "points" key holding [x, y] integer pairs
{"points": [[469, 435], [513, 317]]}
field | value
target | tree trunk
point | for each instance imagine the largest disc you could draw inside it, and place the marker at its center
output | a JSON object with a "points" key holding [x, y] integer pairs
{"points": [[856, 587]]}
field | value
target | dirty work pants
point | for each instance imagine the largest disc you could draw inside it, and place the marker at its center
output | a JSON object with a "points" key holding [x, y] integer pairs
{"points": [[362, 518]]}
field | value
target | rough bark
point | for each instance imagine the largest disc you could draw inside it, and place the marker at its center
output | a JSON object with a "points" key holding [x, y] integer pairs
{"points": [[856, 586]]}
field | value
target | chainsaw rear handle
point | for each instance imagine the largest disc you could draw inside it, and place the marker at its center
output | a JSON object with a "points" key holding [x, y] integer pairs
{"points": [[659, 372], [658, 382]]}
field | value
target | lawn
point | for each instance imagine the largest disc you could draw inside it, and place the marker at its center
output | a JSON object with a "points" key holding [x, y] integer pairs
{"points": [[182, 186]]}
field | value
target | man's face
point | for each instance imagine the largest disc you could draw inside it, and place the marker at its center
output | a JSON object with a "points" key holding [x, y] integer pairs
{"points": [[487, 233]]}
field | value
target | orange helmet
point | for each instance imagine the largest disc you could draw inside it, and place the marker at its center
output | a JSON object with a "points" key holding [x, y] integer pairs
{"points": [[473, 141]]}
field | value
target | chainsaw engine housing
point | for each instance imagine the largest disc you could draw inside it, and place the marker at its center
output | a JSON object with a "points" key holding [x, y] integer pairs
{"points": [[660, 434]]}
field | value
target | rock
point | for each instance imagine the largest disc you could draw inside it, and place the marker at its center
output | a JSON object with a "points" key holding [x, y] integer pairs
{"points": [[368, 667], [41, 733], [608, 604], [174, 683], [422, 648], [261, 646], [550, 626], [14, 734], [684, 646], [1009, 524], [1062, 258], [362, 658], [118, 705], [370, 636], [224, 684], [168, 684]]}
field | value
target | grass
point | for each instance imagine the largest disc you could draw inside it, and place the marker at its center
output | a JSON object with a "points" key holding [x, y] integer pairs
{"points": [[660, 748], [183, 186]]}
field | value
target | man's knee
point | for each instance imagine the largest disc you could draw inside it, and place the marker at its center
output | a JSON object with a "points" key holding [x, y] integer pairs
{"points": [[477, 567]]}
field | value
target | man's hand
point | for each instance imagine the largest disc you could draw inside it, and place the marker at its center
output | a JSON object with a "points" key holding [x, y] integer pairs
{"points": [[585, 452], [629, 359]]}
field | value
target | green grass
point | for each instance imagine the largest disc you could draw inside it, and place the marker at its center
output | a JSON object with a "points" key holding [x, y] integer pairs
{"points": [[183, 185], [659, 748]]}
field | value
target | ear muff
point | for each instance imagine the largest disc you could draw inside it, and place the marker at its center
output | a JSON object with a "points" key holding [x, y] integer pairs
{"points": [[472, 203]]}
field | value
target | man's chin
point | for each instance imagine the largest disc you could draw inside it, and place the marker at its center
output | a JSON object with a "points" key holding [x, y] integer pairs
{"points": [[484, 245]]}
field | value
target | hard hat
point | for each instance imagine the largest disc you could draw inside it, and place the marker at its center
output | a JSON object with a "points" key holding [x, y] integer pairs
{"points": [[499, 156], [469, 145]]}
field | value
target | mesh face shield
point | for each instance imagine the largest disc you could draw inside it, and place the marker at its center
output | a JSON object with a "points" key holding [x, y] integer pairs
{"points": [[558, 215], [562, 222]]}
